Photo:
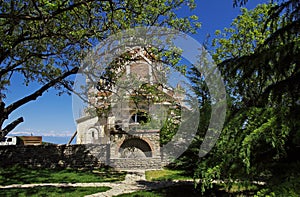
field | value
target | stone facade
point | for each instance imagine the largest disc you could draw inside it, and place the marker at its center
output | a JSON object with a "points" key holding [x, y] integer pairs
{"points": [[131, 143], [94, 131]]}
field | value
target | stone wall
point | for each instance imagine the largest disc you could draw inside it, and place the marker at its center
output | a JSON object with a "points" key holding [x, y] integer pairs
{"points": [[141, 70], [74, 156], [136, 163], [55, 156]]}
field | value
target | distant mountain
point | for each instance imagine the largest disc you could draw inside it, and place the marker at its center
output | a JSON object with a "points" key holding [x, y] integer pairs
{"points": [[58, 139]]}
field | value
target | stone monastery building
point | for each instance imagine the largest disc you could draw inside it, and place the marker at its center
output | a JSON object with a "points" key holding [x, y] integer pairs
{"points": [[132, 107]]}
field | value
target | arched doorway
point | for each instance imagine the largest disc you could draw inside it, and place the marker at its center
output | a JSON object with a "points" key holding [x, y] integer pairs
{"points": [[135, 148]]}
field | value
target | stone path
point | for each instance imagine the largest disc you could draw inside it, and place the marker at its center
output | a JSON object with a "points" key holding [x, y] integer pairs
{"points": [[127, 186], [134, 181]]}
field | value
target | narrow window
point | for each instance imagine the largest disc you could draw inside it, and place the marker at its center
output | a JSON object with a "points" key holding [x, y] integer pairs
{"points": [[140, 117]]}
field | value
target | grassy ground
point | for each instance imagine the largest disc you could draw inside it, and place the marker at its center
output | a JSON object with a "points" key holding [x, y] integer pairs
{"points": [[52, 191], [18, 175], [165, 174], [188, 191], [174, 191]]}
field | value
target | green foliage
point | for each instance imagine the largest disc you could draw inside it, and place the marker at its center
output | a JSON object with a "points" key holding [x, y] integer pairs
{"points": [[188, 161], [170, 125], [260, 67], [44, 42], [244, 35], [247, 33], [257, 69], [285, 181], [168, 120]]}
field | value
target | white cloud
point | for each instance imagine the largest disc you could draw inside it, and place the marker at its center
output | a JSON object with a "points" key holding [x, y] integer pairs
{"points": [[51, 133]]}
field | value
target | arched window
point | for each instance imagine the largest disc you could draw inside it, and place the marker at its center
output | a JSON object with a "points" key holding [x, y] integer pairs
{"points": [[92, 136], [140, 117]]}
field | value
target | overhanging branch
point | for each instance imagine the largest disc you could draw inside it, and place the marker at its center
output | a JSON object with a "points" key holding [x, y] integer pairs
{"points": [[11, 126], [39, 92]]}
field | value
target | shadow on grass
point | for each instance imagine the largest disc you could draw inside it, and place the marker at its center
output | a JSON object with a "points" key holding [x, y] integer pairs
{"points": [[52, 191], [186, 191], [21, 175], [183, 188]]}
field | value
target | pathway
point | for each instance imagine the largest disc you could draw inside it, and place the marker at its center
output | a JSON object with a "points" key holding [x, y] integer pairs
{"points": [[134, 181], [127, 186]]}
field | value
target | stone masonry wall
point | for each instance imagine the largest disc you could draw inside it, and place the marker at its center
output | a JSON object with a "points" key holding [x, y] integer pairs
{"points": [[74, 156], [136, 163], [140, 69], [55, 156]]}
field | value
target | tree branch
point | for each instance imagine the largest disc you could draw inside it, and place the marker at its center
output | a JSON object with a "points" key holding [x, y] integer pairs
{"points": [[39, 92], [11, 126], [2, 108]]}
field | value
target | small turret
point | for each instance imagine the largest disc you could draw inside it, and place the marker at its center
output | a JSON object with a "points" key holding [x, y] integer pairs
{"points": [[179, 92]]}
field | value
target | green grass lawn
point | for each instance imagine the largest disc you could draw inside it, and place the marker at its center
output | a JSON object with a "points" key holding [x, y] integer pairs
{"points": [[52, 191], [18, 175], [166, 174], [189, 191]]}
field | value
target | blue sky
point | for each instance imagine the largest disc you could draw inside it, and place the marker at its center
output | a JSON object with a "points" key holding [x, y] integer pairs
{"points": [[51, 115]]}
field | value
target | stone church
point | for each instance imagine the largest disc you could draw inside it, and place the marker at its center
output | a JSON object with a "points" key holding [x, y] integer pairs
{"points": [[131, 111]]}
